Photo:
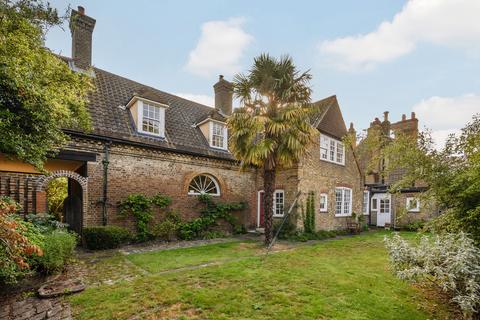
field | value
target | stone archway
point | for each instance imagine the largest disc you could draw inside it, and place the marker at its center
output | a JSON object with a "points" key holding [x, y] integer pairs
{"points": [[43, 181]]}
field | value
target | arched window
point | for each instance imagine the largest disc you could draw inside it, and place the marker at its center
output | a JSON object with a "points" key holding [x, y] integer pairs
{"points": [[204, 184]]}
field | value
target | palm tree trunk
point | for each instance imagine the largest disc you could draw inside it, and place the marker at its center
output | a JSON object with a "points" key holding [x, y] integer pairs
{"points": [[269, 187]]}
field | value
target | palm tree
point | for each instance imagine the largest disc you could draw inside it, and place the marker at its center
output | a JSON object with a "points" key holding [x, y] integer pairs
{"points": [[271, 129]]}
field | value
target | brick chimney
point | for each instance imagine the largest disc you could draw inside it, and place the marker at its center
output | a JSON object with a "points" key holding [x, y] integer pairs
{"points": [[353, 135], [81, 27], [223, 96], [407, 126]]}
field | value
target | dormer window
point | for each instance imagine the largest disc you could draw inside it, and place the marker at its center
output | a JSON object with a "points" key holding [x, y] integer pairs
{"points": [[151, 119], [218, 135], [149, 116]]}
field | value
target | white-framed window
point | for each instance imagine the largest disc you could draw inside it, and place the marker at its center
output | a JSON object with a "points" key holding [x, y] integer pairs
{"points": [[413, 204], [343, 201], [204, 184], [151, 119], [218, 135], [323, 202], [385, 205], [332, 150], [278, 203], [366, 202]]}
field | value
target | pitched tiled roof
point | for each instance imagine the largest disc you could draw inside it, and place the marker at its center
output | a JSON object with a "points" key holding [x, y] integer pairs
{"points": [[328, 117], [111, 119]]}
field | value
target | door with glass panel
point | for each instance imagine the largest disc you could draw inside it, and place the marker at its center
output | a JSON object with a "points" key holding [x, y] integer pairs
{"points": [[381, 205]]}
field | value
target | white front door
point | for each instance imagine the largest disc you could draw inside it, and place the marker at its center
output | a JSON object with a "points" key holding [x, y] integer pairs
{"points": [[381, 205]]}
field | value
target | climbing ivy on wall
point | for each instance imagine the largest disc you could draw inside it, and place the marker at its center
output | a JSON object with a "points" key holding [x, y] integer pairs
{"points": [[308, 214], [140, 207]]}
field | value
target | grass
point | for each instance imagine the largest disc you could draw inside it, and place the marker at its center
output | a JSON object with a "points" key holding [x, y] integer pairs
{"points": [[180, 258], [340, 279]]}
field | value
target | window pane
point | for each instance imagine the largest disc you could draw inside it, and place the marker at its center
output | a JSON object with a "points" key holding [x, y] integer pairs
{"points": [[346, 201], [279, 202], [338, 201], [218, 137], [339, 152], [332, 150]]}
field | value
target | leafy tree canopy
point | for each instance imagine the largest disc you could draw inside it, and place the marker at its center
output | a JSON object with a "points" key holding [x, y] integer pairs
{"points": [[39, 94], [451, 174]]}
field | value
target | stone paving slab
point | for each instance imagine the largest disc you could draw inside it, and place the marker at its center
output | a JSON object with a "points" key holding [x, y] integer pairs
{"points": [[19, 307]]}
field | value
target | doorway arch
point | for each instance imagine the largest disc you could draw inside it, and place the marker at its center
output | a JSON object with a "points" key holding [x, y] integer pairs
{"points": [[77, 199]]}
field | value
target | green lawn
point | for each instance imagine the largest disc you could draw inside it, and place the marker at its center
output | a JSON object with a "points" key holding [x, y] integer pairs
{"points": [[339, 279], [179, 258]]}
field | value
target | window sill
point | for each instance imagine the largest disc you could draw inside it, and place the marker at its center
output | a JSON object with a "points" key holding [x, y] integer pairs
{"points": [[342, 215], [278, 216], [199, 194], [323, 211], [333, 162], [219, 148], [414, 211]]}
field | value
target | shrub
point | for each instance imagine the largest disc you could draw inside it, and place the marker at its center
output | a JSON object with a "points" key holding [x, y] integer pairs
{"points": [[239, 229], [308, 214], [214, 235], [451, 261], [105, 237], [15, 246], [45, 222], [58, 247], [168, 228], [414, 226], [288, 229]]}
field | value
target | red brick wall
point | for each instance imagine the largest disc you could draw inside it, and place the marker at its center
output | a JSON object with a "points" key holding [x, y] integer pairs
{"points": [[146, 171]]}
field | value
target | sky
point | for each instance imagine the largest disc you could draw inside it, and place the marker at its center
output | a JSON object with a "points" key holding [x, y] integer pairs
{"points": [[374, 55]]}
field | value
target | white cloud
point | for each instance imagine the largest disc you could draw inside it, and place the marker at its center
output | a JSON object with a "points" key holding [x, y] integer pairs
{"points": [[200, 98], [220, 48], [443, 22], [446, 115]]}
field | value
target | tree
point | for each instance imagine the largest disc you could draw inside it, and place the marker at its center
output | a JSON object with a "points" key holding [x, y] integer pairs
{"points": [[271, 129], [451, 174], [39, 94]]}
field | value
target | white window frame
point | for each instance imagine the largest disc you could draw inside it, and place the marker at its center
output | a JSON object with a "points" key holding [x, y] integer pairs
{"points": [[161, 129], [225, 134], [214, 180], [348, 212], [366, 205], [325, 209], [330, 149], [408, 201], [275, 215]]}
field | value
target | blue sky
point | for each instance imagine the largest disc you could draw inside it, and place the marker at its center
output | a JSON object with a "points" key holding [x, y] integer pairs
{"points": [[400, 56]]}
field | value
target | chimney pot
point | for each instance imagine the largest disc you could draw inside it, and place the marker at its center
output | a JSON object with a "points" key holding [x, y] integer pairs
{"points": [[81, 10], [404, 117], [220, 77], [413, 115]]}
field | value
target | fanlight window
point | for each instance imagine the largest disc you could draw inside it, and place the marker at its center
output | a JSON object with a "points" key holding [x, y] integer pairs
{"points": [[204, 184]]}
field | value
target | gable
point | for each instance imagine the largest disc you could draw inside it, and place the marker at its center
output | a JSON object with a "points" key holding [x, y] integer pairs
{"points": [[329, 119]]}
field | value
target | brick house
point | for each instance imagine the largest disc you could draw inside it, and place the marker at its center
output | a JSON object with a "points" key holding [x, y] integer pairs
{"points": [[383, 207], [147, 141]]}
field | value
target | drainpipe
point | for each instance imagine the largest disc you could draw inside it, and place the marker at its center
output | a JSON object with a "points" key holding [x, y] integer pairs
{"points": [[105, 163]]}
